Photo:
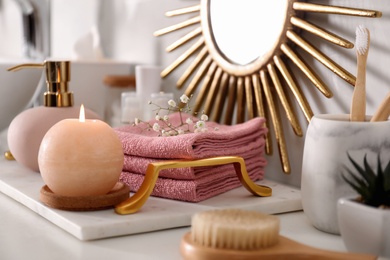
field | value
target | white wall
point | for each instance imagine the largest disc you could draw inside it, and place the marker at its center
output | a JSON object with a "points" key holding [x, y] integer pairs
{"points": [[136, 20], [127, 35]]}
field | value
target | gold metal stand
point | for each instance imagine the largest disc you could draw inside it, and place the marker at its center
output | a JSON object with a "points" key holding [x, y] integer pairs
{"points": [[135, 202]]}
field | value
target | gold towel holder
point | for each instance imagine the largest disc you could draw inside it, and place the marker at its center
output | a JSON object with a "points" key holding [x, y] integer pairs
{"points": [[135, 202]]}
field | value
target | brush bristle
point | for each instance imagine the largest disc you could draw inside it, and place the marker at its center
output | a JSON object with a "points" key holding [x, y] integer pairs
{"points": [[361, 43], [235, 229]]}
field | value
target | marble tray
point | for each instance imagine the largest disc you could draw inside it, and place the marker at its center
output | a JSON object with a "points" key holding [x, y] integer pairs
{"points": [[157, 214]]}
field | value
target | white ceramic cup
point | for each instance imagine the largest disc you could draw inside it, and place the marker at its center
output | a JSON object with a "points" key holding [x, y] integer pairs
{"points": [[329, 138], [131, 107], [148, 81]]}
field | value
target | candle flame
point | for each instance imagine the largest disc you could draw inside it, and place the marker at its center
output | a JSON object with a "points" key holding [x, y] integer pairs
{"points": [[82, 114]]}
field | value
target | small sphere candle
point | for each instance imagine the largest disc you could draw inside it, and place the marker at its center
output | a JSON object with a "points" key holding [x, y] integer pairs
{"points": [[80, 157]]}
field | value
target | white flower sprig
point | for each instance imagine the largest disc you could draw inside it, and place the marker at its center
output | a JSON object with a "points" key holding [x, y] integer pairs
{"points": [[186, 125]]}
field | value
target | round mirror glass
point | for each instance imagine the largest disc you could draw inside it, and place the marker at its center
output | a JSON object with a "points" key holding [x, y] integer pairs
{"points": [[245, 30]]}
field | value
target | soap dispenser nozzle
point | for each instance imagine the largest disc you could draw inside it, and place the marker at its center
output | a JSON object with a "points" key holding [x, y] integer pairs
{"points": [[57, 78]]}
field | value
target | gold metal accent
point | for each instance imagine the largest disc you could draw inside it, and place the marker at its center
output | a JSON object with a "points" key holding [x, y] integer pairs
{"points": [[280, 140], [213, 91], [186, 10], [240, 100], [324, 34], [220, 98], [261, 110], [294, 88], [182, 58], [183, 40], [237, 89], [283, 99], [205, 87], [231, 100], [135, 202], [311, 75], [249, 97], [191, 69], [198, 76], [57, 78], [326, 9], [8, 155], [321, 57], [178, 26]]}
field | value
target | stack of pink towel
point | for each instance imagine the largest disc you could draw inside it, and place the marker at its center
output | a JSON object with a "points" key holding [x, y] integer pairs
{"points": [[193, 184]]}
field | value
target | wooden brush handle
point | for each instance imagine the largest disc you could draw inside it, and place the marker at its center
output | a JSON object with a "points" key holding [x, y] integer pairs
{"points": [[285, 249], [383, 111], [358, 105]]}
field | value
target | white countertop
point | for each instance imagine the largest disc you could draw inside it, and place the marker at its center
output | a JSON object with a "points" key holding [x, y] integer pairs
{"points": [[26, 235]]}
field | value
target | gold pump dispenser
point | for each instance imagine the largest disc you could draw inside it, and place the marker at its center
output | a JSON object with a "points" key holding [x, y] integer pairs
{"points": [[57, 78]]}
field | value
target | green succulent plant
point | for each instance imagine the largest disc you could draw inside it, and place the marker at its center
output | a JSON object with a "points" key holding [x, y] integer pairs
{"points": [[373, 188]]}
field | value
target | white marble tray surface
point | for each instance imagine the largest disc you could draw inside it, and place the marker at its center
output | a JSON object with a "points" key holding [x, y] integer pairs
{"points": [[23, 186]]}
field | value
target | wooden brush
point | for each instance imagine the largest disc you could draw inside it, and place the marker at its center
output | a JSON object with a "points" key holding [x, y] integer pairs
{"points": [[383, 111], [358, 105], [238, 234]]}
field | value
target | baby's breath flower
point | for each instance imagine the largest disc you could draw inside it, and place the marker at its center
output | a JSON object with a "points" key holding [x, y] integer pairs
{"points": [[184, 99], [163, 125], [172, 103], [204, 117], [200, 124], [164, 133], [189, 121], [156, 127]]}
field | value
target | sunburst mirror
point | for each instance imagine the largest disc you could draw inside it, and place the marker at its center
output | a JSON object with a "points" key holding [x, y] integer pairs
{"points": [[241, 87]]}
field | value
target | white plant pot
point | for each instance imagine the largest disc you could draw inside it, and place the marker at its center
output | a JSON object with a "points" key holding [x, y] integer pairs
{"points": [[328, 140], [364, 229]]}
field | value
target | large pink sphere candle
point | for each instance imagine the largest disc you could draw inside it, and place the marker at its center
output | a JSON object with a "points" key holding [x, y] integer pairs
{"points": [[79, 157]]}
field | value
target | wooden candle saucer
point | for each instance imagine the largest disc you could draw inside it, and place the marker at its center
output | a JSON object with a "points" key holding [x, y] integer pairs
{"points": [[119, 193]]}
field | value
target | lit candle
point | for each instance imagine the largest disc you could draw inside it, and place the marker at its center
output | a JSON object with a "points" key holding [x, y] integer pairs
{"points": [[80, 157]]}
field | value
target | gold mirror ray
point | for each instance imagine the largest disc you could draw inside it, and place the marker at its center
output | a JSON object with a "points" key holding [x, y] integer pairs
{"points": [[306, 109], [310, 74], [220, 98], [231, 100], [260, 108], [231, 91], [290, 113], [240, 101], [249, 97]]}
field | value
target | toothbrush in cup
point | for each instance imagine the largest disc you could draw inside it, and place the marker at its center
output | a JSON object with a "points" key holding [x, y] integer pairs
{"points": [[358, 105], [383, 111]]}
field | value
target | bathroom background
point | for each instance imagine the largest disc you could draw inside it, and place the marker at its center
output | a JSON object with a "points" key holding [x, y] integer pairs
{"points": [[126, 31]]}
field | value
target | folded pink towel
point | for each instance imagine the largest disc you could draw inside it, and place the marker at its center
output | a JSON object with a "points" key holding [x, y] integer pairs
{"points": [[139, 165], [142, 147], [228, 139], [197, 190]]}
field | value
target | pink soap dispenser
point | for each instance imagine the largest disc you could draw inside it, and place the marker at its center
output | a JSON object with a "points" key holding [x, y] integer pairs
{"points": [[27, 129]]}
